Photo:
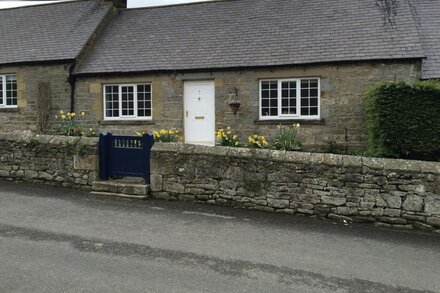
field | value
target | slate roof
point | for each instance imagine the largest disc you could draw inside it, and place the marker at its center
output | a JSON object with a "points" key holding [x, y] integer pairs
{"points": [[427, 16], [243, 33], [48, 32]]}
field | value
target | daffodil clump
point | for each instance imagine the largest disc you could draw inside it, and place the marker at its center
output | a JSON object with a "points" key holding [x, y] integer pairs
{"points": [[257, 141], [164, 135], [73, 124], [286, 138], [227, 137]]}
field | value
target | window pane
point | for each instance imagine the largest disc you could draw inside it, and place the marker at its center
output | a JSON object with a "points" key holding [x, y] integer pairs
{"points": [[309, 97], [112, 101], [269, 95], [1, 90], [11, 90], [127, 100], [288, 98], [144, 100]]}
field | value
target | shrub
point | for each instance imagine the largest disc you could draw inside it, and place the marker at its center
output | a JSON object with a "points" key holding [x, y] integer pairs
{"points": [[403, 120], [257, 141], [286, 138], [330, 146], [227, 137]]}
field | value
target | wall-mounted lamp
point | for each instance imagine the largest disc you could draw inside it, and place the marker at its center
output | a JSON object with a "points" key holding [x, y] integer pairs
{"points": [[234, 104]]}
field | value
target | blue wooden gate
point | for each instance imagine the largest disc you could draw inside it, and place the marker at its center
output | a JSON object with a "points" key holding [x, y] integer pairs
{"points": [[125, 156]]}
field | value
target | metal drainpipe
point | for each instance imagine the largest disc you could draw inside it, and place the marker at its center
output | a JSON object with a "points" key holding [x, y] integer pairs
{"points": [[71, 80]]}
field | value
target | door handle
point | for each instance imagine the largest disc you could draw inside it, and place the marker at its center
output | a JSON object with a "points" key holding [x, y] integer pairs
{"points": [[187, 113]]}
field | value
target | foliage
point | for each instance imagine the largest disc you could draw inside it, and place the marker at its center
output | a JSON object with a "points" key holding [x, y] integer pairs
{"points": [[90, 133], [73, 124], [32, 143], [257, 141], [330, 146], [164, 135], [286, 138], [227, 137], [80, 149], [403, 120]]}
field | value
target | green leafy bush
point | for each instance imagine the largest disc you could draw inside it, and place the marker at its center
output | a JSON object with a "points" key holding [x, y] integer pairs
{"points": [[403, 120], [286, 138]]}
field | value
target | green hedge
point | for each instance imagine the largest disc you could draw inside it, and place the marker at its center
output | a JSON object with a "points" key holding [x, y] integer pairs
{"points": [[403, 120]]}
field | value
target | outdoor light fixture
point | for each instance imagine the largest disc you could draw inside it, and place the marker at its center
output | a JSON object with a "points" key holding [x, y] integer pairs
{"points": [[234, 104]]}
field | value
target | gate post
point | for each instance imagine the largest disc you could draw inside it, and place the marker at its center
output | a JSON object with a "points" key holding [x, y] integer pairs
{"points": [[148, 141], [104, 151]]}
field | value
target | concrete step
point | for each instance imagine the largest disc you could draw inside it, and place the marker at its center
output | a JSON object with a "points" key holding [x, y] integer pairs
{"points": [[127, 188]]}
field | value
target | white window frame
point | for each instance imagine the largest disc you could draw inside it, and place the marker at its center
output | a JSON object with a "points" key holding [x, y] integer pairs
{"points": [[298, 115], [3, 104], [135, 92]]}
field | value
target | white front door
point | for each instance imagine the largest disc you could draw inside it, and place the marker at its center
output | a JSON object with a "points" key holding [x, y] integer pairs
{"points": [[199, 112]]}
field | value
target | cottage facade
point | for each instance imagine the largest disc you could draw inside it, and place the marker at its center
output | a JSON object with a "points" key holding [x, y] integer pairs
{"points": [[182, 66]]}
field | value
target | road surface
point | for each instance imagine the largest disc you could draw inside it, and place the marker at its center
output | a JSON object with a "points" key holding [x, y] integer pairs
{"points": [[63, 240]]}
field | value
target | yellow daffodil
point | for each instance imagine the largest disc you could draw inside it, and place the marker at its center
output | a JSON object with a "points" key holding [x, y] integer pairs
{"points": [[83, 114], [61, 112], [73, 114], [63, 116], [163, 131]]}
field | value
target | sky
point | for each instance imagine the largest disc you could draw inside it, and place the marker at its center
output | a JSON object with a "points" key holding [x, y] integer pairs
{"points": [[131, 3]]}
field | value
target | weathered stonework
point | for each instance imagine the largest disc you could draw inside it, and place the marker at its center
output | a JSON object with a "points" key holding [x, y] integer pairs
{"points": [[31, 79], [389, 193], [46, 159], [342, 91], [394, 193]]}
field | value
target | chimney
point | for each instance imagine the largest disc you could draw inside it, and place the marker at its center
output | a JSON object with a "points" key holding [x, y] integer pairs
{"points": [[117, 3], [120, 3]]}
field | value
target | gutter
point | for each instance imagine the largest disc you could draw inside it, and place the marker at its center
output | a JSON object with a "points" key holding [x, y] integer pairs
{"points": [[71, 79]]}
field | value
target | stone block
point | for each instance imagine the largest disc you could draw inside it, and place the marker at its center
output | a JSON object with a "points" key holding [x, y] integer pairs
{"points": [[337, 201], [432, 205], [392, 201], [435, 221], [173, 187], [156, 182], [392, 220], [392, 212], [277, 203], [413, 203], [89, 163], [423, 226], [161, 195], [347, 211]]}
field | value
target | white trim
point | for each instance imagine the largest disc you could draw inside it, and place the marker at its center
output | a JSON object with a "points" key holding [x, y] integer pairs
{"points": [[296, 116], [3, 104], [133, 117]]}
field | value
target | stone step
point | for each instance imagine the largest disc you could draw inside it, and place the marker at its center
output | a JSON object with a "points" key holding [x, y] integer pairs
{"points": [[121, 188]]}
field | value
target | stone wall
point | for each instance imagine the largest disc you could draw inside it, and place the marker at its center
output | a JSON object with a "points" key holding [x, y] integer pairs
{"points": [[394, 193], [342, 90], [52, 160], [35, 82]]}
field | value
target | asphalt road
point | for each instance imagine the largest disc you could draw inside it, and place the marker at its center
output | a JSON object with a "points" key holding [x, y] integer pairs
{"points": [[62, 240]]}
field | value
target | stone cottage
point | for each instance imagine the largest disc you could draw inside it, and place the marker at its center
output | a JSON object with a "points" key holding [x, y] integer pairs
{"points": [[186, 66]]}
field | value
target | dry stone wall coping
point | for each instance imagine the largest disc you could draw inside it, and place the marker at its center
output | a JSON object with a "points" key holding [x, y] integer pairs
{"points": [[347, 161]]}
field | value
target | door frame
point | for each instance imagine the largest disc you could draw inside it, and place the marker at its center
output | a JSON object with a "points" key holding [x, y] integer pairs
{"points": [[185, 105]]}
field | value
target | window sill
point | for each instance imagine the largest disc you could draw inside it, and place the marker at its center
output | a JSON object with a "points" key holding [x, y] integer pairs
{"points": [[9, 109], [289, 121], [126, 122]]}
